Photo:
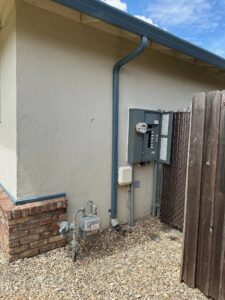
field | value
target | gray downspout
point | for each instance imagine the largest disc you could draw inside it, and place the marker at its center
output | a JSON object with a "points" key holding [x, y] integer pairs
{"points": [[115, 125]]}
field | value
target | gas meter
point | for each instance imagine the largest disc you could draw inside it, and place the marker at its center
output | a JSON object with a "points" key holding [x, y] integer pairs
{"points": [[89, 227], [86, 227]]}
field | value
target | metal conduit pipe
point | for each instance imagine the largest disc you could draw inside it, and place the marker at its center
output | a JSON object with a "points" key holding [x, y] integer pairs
{"points": [[75, 233], [115, 125]]}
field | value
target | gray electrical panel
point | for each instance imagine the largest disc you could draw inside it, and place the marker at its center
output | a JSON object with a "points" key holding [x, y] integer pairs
{"points": [[150, 134]]}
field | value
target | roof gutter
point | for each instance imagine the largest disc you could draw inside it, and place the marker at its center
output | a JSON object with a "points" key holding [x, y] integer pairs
{"points": [[120, 19], [115, 126]]}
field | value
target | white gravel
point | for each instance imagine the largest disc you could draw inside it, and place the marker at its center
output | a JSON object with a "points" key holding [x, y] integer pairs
{"points": [[144, 264]]}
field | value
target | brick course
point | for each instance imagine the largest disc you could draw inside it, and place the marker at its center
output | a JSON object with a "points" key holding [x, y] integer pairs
{"points": [[29, 229]]}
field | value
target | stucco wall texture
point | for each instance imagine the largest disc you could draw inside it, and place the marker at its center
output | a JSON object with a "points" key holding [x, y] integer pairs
{"points": [[8, 156], [64, 108]]}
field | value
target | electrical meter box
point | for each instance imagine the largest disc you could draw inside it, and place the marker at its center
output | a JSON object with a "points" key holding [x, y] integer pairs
{"points": [[150, 135]]}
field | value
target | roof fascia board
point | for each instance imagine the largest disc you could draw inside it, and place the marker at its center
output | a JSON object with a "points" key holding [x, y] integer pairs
{"points": [[118, 18]]}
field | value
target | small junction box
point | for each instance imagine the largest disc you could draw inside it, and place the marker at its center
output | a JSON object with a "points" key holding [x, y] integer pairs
{"points": [[125, 175]]}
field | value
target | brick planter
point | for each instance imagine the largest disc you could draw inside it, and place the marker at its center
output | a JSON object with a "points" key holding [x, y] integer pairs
{"points": [[29, 229]]}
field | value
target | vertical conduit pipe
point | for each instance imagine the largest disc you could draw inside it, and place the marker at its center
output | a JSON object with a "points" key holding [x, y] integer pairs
{"points": [[115, 125], [132, 202]]}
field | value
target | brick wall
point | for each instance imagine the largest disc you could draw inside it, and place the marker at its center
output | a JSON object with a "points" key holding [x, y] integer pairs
{"points": [[29, 229]]}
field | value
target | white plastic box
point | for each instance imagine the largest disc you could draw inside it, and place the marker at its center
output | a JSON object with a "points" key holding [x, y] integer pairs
{"points": [[125, 175]]}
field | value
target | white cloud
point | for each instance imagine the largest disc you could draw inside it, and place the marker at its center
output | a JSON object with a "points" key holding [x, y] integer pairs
{"points": [[184, 12], [116, 3], [146, 19]]}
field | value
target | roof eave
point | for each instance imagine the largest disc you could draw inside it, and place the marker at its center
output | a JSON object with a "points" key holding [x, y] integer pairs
{"points": [[115, 17]]}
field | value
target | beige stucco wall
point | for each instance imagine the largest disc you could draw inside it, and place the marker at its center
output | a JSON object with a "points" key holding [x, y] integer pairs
{"points": [[65, 106], [8, 160]]}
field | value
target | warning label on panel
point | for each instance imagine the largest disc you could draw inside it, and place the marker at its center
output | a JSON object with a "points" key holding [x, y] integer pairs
{"points": [[163, 149], [165, 124]]}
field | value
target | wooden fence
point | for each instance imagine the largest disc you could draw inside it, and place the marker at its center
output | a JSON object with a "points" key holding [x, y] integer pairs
{"points": [[204, 242]]}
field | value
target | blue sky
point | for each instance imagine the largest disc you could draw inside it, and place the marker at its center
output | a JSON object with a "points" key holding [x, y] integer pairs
{"points": [[201, 22]]}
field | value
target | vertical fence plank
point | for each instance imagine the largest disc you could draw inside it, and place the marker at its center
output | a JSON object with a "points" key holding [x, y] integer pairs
{"points": [[219, 208], [222, 264], [209, 164], [222, 279], [222, 212], [193, 189]]}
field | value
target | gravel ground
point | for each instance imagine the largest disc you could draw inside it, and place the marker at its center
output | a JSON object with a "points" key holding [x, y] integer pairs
{"points": [[143, 264]]}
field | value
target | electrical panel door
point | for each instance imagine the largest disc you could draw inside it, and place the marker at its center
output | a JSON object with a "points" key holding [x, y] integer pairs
{"points": [[166, 130], [150, 134]]}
